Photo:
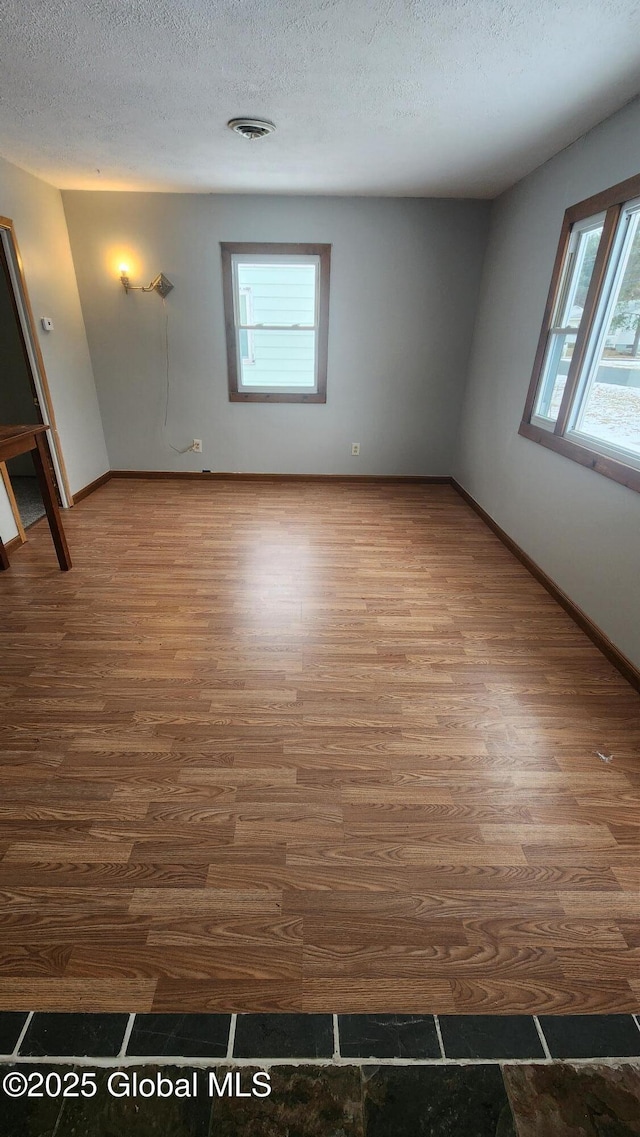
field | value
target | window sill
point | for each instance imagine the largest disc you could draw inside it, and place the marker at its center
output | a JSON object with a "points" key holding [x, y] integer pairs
{"points": [[609, 467], [276, 397]]}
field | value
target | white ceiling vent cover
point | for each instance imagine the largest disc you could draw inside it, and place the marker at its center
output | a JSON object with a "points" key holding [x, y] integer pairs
{"points": [[251, 128]]}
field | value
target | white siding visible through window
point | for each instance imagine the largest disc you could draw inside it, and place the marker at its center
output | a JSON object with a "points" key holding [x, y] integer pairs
{"points": [[276, 303]]}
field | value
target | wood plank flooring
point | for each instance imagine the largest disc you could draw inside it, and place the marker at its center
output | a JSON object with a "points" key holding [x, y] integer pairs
{"points": [[319, 747]]}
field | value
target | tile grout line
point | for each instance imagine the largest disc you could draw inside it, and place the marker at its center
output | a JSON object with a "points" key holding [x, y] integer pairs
{"points": [[112, 1063], [336, 1037], [545, 1047], [115, 1063], [439, 1034], [232, 1036], [16, 1050], [127, 1035]]}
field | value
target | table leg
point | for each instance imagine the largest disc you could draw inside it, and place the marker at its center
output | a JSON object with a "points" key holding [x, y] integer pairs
{"points": [[4, 560], [41, 460]]}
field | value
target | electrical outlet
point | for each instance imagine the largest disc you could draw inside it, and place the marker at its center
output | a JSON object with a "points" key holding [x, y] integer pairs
{"points": [[196, 446], [355, 449]]}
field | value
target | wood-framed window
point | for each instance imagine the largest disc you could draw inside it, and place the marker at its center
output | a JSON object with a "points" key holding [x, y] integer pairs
{"points": [[276, 313], [584, 396]]}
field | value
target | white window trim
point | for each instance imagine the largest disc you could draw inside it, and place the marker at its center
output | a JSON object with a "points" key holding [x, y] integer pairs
{"points": [[290, 260]]}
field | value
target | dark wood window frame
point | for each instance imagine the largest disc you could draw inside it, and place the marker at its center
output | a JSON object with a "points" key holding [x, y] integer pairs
{"points": [[323, 252], [611, 202]]}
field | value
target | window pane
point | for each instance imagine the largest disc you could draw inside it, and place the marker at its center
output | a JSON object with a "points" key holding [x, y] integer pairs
{"points": [[556, 369], [587, 249], [243, 339], [610, 407], [280, 293], [281, 359], [574, 285]]}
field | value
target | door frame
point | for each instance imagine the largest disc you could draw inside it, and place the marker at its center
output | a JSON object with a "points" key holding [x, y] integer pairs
{"points": [[33, 355]]}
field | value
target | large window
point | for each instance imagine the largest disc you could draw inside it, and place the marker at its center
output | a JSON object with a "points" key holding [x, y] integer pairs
{"points": [[584, 396], [276, 300]]}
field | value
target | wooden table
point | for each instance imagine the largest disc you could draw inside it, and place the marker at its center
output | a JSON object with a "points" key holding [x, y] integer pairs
{"points": [[16, 440]]}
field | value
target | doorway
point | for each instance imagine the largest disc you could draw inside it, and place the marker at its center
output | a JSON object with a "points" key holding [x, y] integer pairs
{"points": [[24, 393]]}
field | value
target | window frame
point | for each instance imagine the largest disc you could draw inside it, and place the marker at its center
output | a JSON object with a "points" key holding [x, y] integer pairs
{"points": [[560, 436], [264, 249]]}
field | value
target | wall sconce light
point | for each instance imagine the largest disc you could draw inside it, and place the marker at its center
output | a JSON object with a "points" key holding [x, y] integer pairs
{"points": [[162, 285]]}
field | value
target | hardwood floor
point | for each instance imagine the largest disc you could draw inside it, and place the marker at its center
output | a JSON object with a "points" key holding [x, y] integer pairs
{"points": [[296, 746]]}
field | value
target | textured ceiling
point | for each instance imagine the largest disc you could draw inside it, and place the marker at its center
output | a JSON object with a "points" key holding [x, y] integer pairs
{"points": [[399, 97]]}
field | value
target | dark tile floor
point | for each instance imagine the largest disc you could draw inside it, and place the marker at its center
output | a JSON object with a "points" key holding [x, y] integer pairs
{"points": [[29, 1116], [187, 1036], [283, 1036], [481, 1100], [388, 1036], [561, 1100], [305, 1102], [587, 1036], [11, 1024], [366, 1037], [414, 1101], [107, 1115], [384, 1093], [55, 1034], [492, 1036]]}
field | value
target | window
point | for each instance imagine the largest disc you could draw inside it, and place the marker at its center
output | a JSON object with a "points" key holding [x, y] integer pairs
{"points": [[276, 304], [584, 395]]}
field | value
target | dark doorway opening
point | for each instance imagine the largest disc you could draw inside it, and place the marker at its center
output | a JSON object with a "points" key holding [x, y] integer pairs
{"points": [[18, 400]]}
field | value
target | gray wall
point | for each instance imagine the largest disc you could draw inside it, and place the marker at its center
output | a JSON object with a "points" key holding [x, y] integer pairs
{"points": [[36, 210], [404, 281], [581, 528]]}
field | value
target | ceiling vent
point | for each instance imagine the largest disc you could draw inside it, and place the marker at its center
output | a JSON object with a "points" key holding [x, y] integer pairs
{"points": [[251, 128]]}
